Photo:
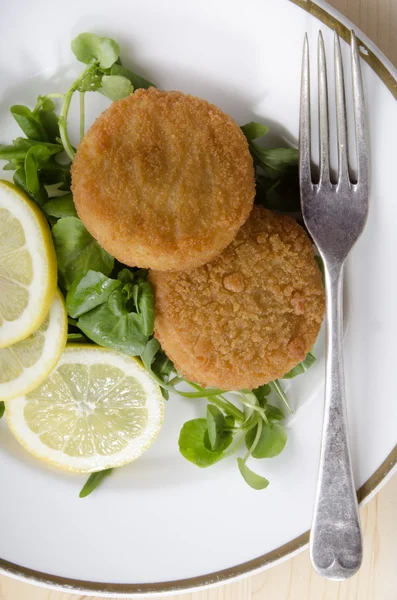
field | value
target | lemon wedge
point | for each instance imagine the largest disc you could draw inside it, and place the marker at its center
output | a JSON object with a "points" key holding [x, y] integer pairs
{"points": [[98, 409], [25, 364], [28, 271]]}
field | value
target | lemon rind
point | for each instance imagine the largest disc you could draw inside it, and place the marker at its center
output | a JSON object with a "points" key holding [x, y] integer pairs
{"points": [[44, 263], [54, 344]]}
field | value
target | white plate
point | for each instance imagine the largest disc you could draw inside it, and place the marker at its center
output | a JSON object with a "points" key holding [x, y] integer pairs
{"points": [[162, 524]]}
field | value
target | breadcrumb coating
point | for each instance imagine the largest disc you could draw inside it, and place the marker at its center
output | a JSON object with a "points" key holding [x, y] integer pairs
{"points": [[163, 180], [251, 314]]}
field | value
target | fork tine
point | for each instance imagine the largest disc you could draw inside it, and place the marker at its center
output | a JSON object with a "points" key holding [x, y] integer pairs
{"points": [[359, 114], [343, 171], [323, 111], [304, 124]]}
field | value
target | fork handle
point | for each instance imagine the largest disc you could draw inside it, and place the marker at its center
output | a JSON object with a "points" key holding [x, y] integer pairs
{"points": [[336, 540]]}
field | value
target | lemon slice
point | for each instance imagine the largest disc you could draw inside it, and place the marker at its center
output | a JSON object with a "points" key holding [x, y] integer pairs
{"points": [[98, 409], [28, 272], [25, 364]]}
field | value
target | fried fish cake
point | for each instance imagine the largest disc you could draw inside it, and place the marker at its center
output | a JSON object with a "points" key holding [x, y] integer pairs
{"points": [[250, 315], [163, 180]]}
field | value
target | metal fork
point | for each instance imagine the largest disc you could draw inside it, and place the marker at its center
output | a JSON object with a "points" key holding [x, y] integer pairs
{"points": [[335, 215]]}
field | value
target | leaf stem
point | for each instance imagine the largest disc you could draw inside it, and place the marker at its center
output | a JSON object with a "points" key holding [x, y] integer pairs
{"points": [[234, 447], [246, 425], [224, 404], [213, 395], [228, 406], [254, 407], [276, 387], [82, 114], [42, 99], [207, 394], [175, 380], [233, 410], [63, 124], [63, 117], [255, 442]]}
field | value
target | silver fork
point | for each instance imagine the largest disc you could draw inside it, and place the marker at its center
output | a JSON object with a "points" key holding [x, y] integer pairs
{"points": [[335, 215]]}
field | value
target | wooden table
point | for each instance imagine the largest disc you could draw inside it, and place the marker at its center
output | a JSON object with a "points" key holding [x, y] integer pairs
{"points": [[295, 579]]}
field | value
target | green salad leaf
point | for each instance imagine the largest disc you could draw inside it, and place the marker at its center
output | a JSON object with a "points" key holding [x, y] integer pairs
{"points": [[90, 80], [89, 48], [193, 446], [136, 80], [215, 425], [275, 162], [149, 353], [158, 364], [78, 252], [35, 157], [144, 302], [112, 314], [271, 441], [56, 175], [262, 393], [253, 131], [114, 329], [278, 389], [88, 292], [25, 144], [276, 172], [257, 482], [274, 413], [163, 367], [302, 367], [12, 165], [116, 87], [93, 481], [49, 123], [11, 152], [40, 197], [20, 147], [28, 123], [77, 338], [61, 206]]}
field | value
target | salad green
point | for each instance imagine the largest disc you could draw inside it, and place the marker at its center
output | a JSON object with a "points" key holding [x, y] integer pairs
{"points": [[93, 481], [113, 305], [77, 251]]}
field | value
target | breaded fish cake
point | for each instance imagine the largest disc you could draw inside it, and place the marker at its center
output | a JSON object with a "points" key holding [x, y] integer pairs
{"points": [[251, 314], [163, 180]]}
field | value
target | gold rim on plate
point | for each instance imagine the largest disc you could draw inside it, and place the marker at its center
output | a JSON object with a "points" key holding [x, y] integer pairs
{"points": [[295, 545]]}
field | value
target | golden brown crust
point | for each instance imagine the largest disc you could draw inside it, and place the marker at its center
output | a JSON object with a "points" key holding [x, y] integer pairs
{"points": [[250, 315], [163, 180]]}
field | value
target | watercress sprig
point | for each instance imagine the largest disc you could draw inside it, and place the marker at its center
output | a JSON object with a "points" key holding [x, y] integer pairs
{"points": [[276, 171], [207, 441], [36, 170]]}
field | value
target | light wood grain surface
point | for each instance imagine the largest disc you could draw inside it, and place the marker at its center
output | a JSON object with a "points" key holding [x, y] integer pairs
{"points": [[295, 579]]}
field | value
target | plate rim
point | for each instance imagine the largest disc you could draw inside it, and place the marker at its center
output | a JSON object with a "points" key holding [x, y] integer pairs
{"points": [[371, 487], [388, 74]]}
